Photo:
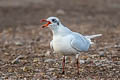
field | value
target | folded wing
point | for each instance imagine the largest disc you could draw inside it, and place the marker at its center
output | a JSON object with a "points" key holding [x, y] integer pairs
{"points": [[79, 42]]}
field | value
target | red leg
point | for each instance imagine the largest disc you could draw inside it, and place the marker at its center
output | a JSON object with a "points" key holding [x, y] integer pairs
{"points": [[63, 65], [77, 62]]}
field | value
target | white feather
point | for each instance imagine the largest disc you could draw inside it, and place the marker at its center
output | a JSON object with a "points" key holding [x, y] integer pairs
{"points": [[92, 36]]}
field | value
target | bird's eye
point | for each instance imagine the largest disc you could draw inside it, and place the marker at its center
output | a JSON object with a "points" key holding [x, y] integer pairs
{"points": [[54, 20]]}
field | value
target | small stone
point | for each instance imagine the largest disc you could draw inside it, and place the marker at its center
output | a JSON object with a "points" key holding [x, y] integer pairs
{"points": [[117, 46], [60, 12], [18, 43], [117, 71], [97, 64], [17, 59], [7, 54], [47, 53], [110, 66], [101, 53], [36, 60], [94, 56], [95, 61], [82, 61], [53, 78], [50, 61], [88, 78], [51, 69], [88, 60], [26, 68], [81, 70], [25, 78], [10, 70], [109, 62], [47, 76], [114, 69], [6, 43], [41, 55], [84, 57], [118, 62]]}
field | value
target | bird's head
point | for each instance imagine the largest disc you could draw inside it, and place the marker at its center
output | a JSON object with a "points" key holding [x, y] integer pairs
{"points": [[52, 22]]}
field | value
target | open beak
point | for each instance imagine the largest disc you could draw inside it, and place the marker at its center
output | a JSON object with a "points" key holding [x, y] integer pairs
{"points": [[47, 23]]}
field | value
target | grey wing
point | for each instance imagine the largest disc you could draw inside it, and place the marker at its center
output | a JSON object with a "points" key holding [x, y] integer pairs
{"points": [[80, 43]]}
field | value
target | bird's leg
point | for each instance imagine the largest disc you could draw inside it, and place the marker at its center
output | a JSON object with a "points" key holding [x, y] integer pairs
{"points": [[77, 62], [63, 65]]}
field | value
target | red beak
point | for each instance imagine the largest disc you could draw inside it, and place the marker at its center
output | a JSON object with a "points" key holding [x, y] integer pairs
{"points": [[45, 25]]}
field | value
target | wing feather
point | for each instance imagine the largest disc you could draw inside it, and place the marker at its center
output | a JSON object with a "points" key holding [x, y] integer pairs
{"points": [[80, 43]]}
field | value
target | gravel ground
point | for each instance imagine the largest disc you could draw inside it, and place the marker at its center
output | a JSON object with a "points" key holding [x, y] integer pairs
{"points": [[24, 47]]}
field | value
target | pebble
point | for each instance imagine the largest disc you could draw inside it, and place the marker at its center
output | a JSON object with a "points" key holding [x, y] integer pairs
{"points": [[47, 76], [82, 61], [51, 69], [41, 55], [118, 62], [117, 71], [94, 56], [101, 53], [117, 46], [50, 61], [7, 54], [109, 66], [36, 60], [18, 43], [97, 64], [60, 11], [26, 68], [53, 78], [88, 60], [109, 62], [17, 59], [6, 43], [47, 53]]}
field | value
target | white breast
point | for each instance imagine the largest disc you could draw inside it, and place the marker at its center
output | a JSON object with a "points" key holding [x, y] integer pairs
{"points": [[63, 45]]}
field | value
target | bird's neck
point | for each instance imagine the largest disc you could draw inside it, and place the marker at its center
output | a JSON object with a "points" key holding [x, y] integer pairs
{"points": [[61, 31]]}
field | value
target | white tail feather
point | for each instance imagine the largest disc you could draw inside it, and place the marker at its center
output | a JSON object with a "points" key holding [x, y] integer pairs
{"points": [[92, 36]]}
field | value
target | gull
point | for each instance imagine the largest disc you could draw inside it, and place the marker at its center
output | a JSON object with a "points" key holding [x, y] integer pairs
{"points": [[67, 42]]}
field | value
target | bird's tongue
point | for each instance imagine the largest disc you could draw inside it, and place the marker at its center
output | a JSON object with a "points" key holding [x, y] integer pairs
{"points": [[45, 25]]}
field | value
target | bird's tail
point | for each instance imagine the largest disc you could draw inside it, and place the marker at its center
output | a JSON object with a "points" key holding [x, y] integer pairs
{"points": [[92, 36]]}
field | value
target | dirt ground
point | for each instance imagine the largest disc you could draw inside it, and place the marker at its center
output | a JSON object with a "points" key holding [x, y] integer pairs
{"points": [[24, 47]]}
